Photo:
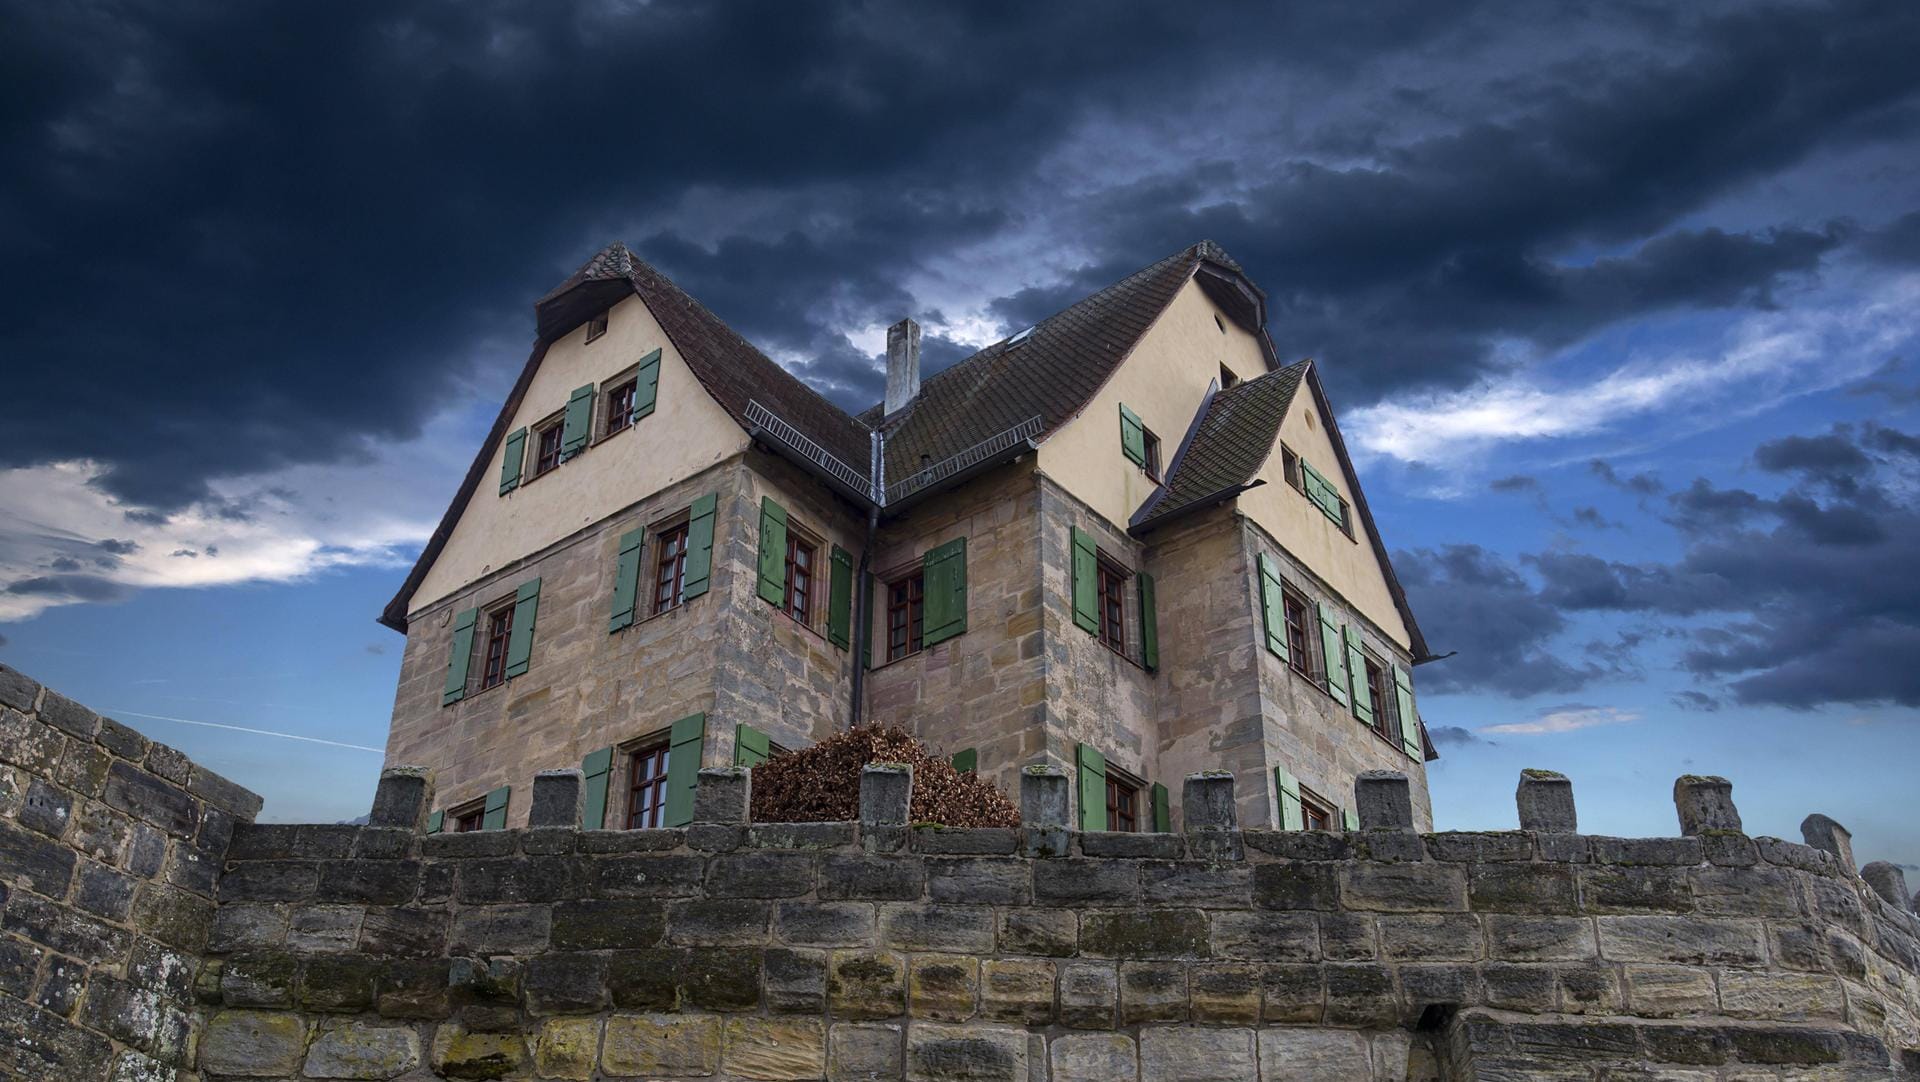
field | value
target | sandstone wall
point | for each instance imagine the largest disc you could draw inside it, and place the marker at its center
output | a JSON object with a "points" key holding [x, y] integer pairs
{"points": [[881, 951], [110, 846]]}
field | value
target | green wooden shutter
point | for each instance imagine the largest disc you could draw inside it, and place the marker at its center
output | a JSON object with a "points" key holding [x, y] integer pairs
{"points": [[1149, 624], [750, 746], [462, 657], [683, 768], [773, 551], [1291, 817], [511, 460], [579, 423], [526, 609], [944, 585], [1331, 649], [840, 598], [646, 386], [1273, 607], [626, 578], [1162, 813], [1086, 582], [1409, 718], [495, 815], [436, 821], [966, 761], [1348, 820], [596, 770], [1133, 436], [1357, 677], [1093, 788], [699, 548]]}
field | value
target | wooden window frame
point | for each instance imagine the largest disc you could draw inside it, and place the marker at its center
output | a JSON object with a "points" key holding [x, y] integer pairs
{"points": [[1380, 695], [1151, 444], [628, 385], [1290, 470], [798, 603], [646, 803], [1124, 794], [1110, 596], [911, 608], [1315, 807], [499, 631], [467, 817], [669, 566], [554, 426], [597, 325], [1301, 634]]}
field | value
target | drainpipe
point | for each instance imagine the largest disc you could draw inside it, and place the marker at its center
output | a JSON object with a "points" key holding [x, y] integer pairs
{"points": [[862, 604]]}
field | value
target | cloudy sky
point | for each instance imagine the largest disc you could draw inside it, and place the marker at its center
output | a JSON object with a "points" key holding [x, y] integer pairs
{"points": [[1618, 303]]}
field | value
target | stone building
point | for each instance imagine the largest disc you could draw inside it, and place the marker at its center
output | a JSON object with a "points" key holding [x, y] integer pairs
{"points": [[1127, 540]]}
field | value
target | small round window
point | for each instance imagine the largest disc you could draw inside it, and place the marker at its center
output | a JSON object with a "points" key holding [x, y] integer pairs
{"points": [[1310, 420]]}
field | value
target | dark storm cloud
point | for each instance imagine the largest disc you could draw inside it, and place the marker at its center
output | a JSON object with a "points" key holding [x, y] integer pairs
{"points": [[69, 587], [1799, 600], [1473, 602], [117, 546], [1519, 482], [294, 250], [1640, 484]]}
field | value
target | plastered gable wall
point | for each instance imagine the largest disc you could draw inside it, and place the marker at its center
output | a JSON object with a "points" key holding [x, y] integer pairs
{"points": [[1164, 381], [688, 432], [1347, 565]]}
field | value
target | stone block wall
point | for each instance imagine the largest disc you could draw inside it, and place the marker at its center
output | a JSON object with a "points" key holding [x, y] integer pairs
{"points": [[876, 950], [110, 848]]}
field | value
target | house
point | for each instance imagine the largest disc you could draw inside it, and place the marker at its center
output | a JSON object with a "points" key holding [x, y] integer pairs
{"points": [[1126, 540]]}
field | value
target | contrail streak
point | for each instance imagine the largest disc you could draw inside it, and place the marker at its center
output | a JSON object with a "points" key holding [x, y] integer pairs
{"points": [[256, 732]]}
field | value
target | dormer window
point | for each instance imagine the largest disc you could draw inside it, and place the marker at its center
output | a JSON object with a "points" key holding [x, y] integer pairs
{"points": [[596, 326], [1227, 378]]}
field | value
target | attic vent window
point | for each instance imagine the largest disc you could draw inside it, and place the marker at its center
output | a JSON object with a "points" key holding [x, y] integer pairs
{"points": [[1227, 378], [596, 326], [1220, 323]]}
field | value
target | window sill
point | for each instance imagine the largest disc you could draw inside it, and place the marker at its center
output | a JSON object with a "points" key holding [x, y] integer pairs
{"points": [[797, 622], [605, 436], [651, 617]]}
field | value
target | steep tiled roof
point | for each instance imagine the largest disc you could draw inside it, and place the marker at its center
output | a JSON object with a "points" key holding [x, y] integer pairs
{"points": [[1233, 438], [1049, 372]]}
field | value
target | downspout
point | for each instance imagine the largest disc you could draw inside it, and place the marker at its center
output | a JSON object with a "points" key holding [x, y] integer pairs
{"points": [[862, 604]]}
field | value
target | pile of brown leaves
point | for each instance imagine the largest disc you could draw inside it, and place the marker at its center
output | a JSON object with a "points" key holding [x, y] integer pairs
{"points": [[821, 784]]}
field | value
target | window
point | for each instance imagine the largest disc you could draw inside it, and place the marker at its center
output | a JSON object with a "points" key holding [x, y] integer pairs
{"points": [[799, 600], [619, 408], [1290, 468], [1123, 804], [670, 570], [1227, 378], [1152, 464], [906, 615], [1315, 813], [1220, 323], [499, 630], [596, 326], [1299, 632], [1110, 585], [547, 446], [647, 787], [468, 818], [1381, 698]]}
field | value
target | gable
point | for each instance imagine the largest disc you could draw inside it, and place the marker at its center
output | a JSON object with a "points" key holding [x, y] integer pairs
{"points": [[687, 433], [1164, 381], [1355, 567]]}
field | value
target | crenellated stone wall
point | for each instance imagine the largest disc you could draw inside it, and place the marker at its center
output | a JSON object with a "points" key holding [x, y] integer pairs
{"points": [[110, 847], [881, 949]]}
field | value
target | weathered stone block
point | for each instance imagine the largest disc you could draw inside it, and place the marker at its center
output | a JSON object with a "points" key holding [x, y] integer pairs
{"points": [[1049, 933], [1522, 888], [1761, 891], [723, 795], [1360, 994], [1228, 993], [104, 892], [152, 800], [796, 980], [409, 933], [608, 923], [886, 879], [1383, 800], [372, 882], [1017, 990], [886, 794], [565, 983], [760, 875], [1292, 994], [18, 690], [864, 1053], [1669, 991], [1518, 938], [264, 979], [1830, 837], [1783, 997], [774, 1048], [1431, 937], [661, 1044], [1681, 940], [1296, 886], [566, 1048], [361, 1051], [458, 1053], [956, 929], [1317, 1055], [1117, 843], [518, 879], [502, 929], [942, 986], [1089, 994], [1545, 799], [799, 835], [824, 924], [338, 982], [46, 809], [1069, 881], [1207, 802], [1705, 805], [718, 922], [977, 841], [253, 1044], [1144, 933], [1890, 883], [35, 861], [1615, 888], [1265, 936], [1404, 888], [865, 984], [662, 875], [403, 798], [413, 988], [980, 881], [1093, 1057], [942, 1053], [270, 881], [1200, 883], [1152, 992], [1194, 1054]]}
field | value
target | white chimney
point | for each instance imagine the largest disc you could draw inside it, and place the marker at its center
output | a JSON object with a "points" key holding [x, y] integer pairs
{"points": [[903, 364]]}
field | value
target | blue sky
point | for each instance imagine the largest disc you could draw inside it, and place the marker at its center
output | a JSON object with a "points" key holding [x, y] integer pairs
{"points": [[1618, 309]]}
